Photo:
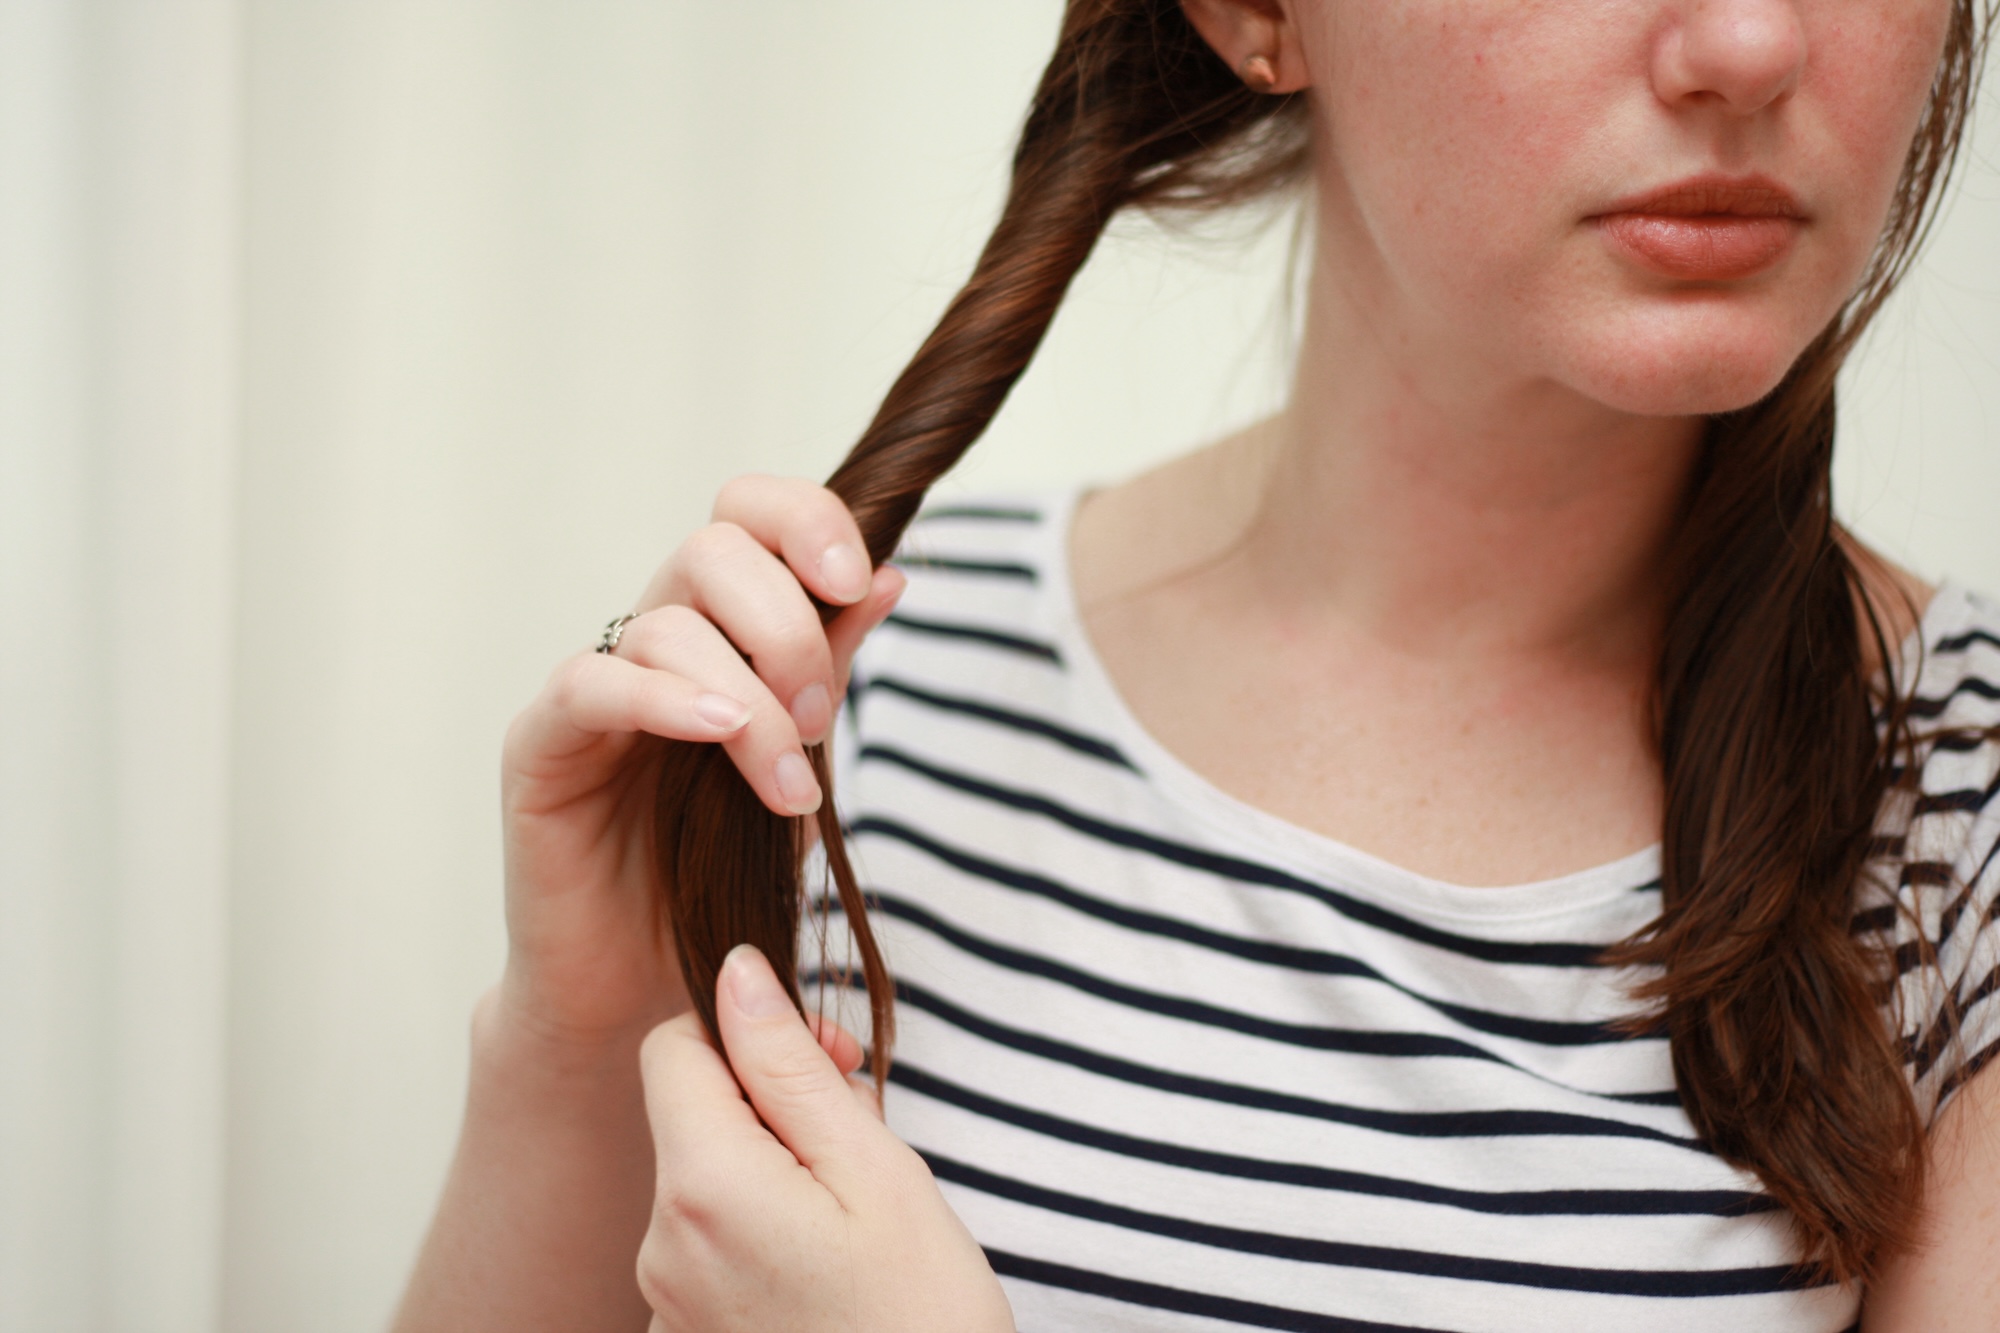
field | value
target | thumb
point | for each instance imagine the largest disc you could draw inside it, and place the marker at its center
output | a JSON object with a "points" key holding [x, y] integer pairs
{"points": [[794, 1086]]}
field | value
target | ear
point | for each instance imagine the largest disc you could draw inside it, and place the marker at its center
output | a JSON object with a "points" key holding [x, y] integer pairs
{"points": [[1242, 29]]}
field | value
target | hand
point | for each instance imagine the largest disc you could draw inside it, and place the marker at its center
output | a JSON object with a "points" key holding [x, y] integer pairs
{"points": [[796, 1209], [585, 963]]}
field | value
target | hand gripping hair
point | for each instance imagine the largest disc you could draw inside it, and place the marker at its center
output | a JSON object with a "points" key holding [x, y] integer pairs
{"points": [[1133, 110], [1773, 759]]}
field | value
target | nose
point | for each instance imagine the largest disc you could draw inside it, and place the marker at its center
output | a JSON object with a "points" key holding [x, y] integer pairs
{"points": [[1742, 55]]}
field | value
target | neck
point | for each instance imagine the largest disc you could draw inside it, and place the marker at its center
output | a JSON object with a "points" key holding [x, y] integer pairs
{"points": [[1436, 503]]}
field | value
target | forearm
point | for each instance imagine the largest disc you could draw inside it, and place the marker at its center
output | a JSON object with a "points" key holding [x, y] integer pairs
{"points": [[548, 1197]]}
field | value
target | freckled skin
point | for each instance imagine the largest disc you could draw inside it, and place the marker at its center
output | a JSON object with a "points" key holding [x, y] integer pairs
{"points": [[1454, 245]]}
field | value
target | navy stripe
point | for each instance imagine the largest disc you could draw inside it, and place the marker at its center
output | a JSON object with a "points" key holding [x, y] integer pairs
{"points": [[1923, 951], [1383, 1258], [1920, 1052], [1969, 801], [945, 564], [1316, 961], [1244, 872], [1005, 717], [1408, 1124], [1875, 920], [1510, 1203], [1958, 643], [1986, 863], [1931, 874], [1985, 990], [991, 638], [989, 513], [1306, 1036], [1921, 706], [1153, 1296]]}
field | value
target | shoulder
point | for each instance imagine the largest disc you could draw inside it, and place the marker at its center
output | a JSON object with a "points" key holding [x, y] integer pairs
{"points": [[1951, 685], [993, 558], [1955, 680], [1947, 830], [1008, 537], [982, 645], [986, 584]]}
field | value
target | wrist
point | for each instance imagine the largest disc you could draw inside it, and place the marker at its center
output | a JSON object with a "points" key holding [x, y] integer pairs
{"points": [[516, 1041]]}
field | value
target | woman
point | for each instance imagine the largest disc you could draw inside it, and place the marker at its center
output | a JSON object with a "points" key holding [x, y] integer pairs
{"points": [[1170, 797]]}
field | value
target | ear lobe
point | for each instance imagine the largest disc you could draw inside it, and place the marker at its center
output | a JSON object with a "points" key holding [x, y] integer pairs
{"points": [[1256, 38]]}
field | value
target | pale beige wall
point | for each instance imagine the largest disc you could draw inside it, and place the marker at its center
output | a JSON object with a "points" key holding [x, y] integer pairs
{"points": [[1918, 468], [504, 290], [119, 256]]}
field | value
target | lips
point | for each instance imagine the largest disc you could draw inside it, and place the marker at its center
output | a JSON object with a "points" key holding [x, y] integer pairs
{"points": [[1708, 229]]}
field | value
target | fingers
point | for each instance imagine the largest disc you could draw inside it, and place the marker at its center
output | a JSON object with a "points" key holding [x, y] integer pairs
{"points": [[595, 695], [723, 572], [854, 623], [774, 539], [680, 641], [796, 1089], [603, 693], [838, 1043], [808, 526], [740, 589], [866, 1095], [847, 1055]]}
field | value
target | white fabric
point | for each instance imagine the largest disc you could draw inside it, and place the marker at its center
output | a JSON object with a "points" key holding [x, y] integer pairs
{"points": [[1176, 1061]]}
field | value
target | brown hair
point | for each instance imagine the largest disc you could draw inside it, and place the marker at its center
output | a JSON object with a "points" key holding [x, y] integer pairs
{"points": [[1772, 747]]}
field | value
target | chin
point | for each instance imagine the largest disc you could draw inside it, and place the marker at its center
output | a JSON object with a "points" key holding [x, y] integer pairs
{"points": [[1695, 360]]}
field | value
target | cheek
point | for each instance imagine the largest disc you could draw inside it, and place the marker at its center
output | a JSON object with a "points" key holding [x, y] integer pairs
{"points": [[1448, 124], [1869, 85]]}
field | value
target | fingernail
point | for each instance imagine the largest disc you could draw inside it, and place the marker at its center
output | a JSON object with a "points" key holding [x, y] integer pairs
{"points": [[845, 571], [720, 711], [753, 987], [812, 709], [796, 785]]}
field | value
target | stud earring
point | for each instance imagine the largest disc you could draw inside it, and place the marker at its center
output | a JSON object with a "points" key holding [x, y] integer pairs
{"points": [[1258, 73]]}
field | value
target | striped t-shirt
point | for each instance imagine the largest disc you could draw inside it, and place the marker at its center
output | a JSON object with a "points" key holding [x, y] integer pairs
{"points": [[1181, 1065]]}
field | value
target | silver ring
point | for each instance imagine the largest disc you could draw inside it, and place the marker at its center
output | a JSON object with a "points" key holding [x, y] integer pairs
{"points": [[614, 632]]}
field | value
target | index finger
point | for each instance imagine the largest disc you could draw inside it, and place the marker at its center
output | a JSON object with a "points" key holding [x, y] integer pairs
{"points": [[808, 527]]}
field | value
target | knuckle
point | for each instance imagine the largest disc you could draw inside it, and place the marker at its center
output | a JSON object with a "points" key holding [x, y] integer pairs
{"points": [[676, 1207], [688, 1198], [570, 680], [708, 553], [903, 1177], [738, 492], [660, 1263], [794, 1075], [669, 628], [829, 509], [667, 1045], [799, 643]]}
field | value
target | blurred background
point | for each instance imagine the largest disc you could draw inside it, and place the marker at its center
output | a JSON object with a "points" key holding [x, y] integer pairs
{"points": [[358, 359]]}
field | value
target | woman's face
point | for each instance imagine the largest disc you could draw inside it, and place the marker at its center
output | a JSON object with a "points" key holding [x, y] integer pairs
{"points": [[1655, 203]]}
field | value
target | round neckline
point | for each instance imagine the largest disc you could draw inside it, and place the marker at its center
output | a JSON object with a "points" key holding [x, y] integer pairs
{"points": [[1317, 854]]}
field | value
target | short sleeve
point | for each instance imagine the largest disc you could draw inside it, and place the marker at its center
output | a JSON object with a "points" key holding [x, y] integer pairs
{"points": [[1947, 940]]}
